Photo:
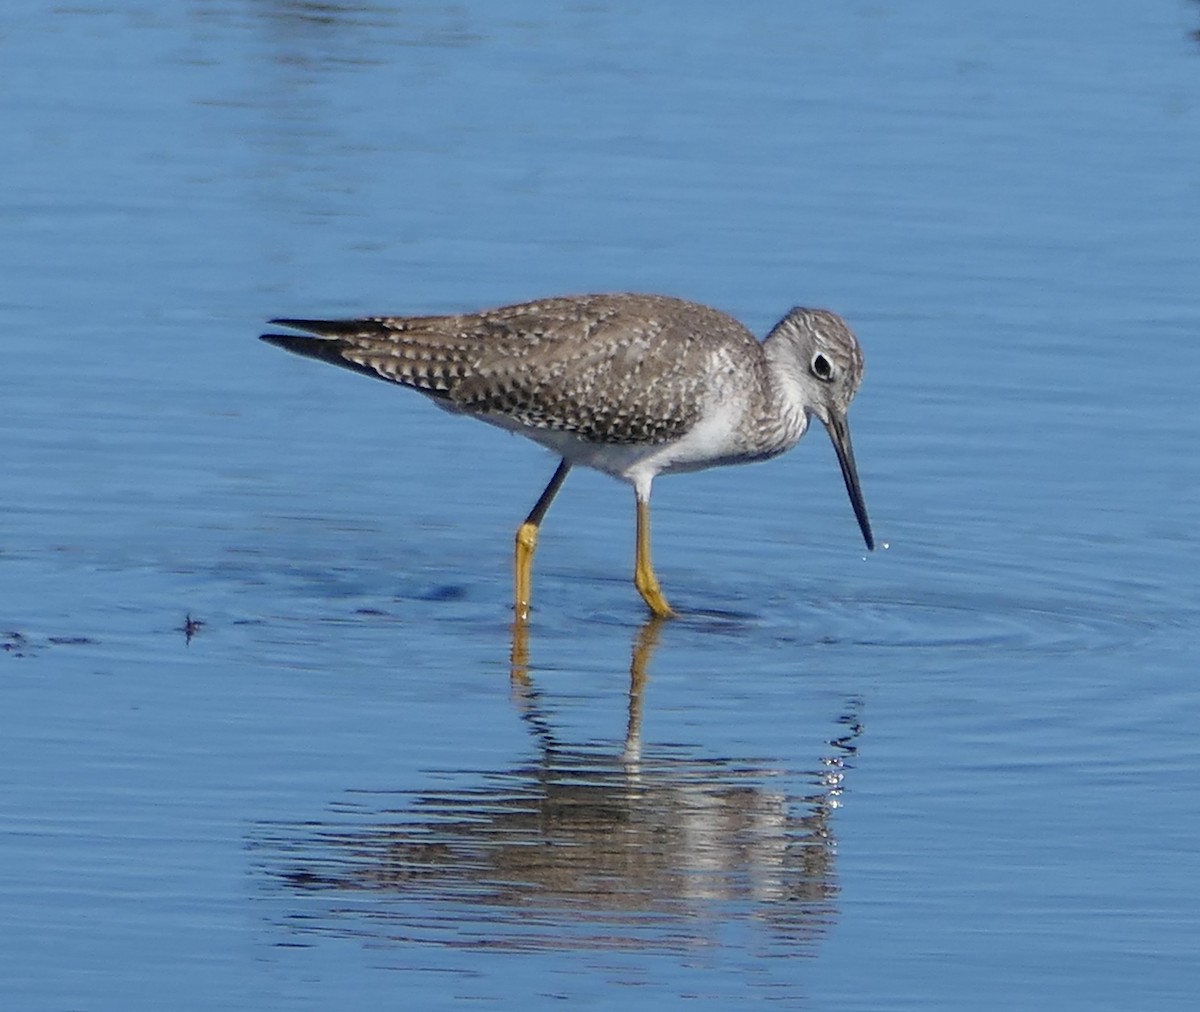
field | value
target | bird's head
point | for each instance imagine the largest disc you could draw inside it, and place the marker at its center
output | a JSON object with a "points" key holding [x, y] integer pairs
{"points": [[824, 361]]}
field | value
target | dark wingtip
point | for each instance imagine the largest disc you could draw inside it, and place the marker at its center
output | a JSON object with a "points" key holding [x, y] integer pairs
{"points": [[325, 348], [310, 347], [318, 341]]}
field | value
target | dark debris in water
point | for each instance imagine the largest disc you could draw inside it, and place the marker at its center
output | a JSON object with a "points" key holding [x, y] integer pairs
{"points": [[14, 643], [17, 644], [191, 626]]}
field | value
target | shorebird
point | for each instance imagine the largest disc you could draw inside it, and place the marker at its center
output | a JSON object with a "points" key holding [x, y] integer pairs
{"points": [[632, 385]]}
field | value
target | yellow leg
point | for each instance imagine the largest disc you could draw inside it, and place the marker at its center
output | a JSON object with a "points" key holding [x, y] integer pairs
{"points": [[526, 544], [527, 536], [643, 569]]}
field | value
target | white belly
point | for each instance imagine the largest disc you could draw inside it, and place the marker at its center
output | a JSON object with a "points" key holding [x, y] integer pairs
{"points": [[710, 443]]}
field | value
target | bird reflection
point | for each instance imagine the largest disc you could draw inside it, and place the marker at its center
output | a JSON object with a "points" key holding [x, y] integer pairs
{"points": [[608, 844], [529, 698]]}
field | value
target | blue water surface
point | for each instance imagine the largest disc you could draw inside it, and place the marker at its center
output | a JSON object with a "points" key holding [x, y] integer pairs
{"points": [[267, 738]]}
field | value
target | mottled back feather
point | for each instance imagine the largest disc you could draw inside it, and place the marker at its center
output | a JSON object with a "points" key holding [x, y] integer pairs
{"points": [[607, 368]]}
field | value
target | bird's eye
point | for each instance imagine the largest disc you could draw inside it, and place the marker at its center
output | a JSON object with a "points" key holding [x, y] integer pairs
{"points": [[822, 368]]}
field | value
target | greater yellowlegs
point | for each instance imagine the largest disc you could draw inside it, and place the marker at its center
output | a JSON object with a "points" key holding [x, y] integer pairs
{"points": [[631, 385]]}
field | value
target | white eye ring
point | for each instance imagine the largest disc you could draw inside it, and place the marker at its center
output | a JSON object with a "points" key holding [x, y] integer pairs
{"points": [[822, 368]]}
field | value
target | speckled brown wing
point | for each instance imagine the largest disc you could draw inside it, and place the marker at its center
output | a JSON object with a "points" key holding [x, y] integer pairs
{"points": [[609, 369], [419, 352]]}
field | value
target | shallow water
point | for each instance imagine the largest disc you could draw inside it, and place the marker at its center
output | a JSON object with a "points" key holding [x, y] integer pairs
{"points": [[266, 739]]}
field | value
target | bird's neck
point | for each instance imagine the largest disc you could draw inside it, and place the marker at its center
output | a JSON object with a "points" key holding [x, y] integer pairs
{"points": [[784, 415]]}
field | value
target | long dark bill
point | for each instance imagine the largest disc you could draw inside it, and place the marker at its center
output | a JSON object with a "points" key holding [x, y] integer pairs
{"points": [[839, 433]]}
